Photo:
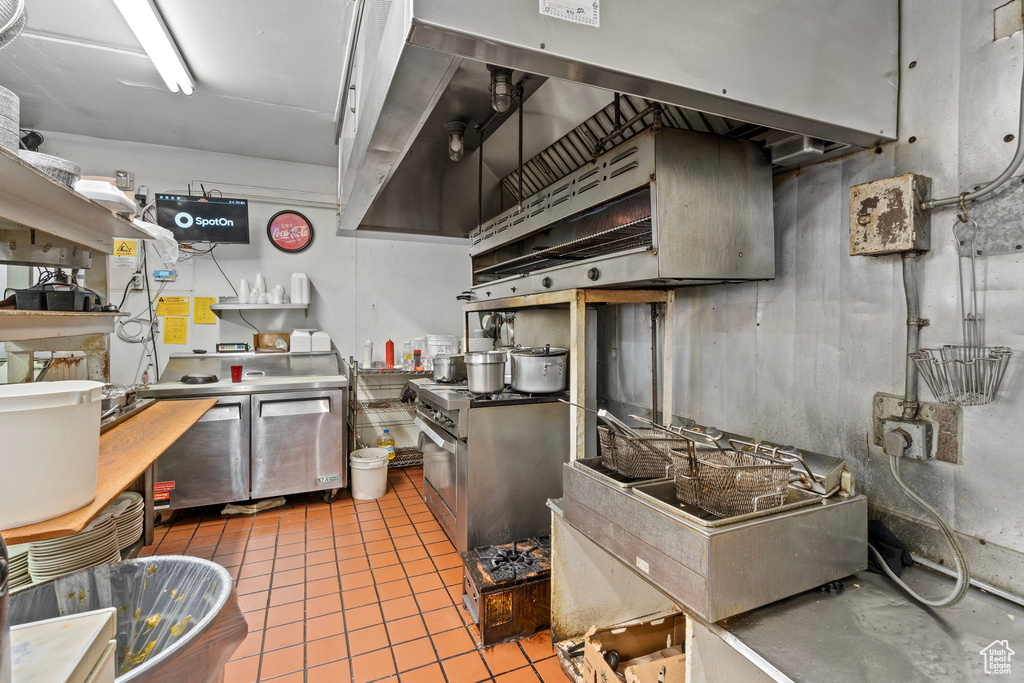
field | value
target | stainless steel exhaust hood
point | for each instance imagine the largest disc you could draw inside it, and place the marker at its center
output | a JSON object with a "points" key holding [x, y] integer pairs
{"points": [[825, 69]]}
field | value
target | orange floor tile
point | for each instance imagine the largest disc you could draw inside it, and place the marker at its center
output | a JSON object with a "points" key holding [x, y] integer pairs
{"points": [[353, 591]]}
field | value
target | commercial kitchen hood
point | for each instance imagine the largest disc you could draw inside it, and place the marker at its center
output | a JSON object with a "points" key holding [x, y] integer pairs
{"points": [[824, 69]]}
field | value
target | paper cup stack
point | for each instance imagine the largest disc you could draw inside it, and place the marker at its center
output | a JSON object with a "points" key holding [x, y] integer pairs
{"points": [[18, 567], [95, 545], [10, 115]]}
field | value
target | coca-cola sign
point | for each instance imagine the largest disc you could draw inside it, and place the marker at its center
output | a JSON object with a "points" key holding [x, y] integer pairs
{"points": [[290, 231]]}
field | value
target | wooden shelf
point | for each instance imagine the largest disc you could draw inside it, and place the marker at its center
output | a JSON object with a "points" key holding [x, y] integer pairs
{"points": [[33, 199], [569, 297], [126, 452], [25, 325]]}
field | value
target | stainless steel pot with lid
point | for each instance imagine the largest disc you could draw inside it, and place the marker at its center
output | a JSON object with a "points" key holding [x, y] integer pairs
{"points": [[485, 371], [540, 370]]}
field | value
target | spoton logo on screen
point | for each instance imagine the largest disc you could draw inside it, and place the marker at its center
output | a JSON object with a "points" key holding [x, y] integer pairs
{"points": [[187, 220]]}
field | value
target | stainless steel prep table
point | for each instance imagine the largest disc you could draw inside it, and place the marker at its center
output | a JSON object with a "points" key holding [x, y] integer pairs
{"points": [[281, 430]]}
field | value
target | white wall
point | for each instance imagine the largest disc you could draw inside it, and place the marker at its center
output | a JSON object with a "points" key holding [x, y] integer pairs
{"points": [[362, 287]]}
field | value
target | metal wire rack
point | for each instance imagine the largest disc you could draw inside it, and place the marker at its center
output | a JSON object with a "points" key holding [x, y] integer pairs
{"points": [[375, 405], [968, 374]]}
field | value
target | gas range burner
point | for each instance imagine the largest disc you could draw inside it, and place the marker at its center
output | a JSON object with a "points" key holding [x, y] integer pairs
{"points": [[515, 561], [507, 588]]}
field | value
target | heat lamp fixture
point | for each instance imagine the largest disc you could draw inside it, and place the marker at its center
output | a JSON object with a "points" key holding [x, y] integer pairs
{"points": [[145, 21], [456, 143], [501, 88]]}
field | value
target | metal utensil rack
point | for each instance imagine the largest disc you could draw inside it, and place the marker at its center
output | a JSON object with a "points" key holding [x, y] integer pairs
{"points": [[375, 404]]}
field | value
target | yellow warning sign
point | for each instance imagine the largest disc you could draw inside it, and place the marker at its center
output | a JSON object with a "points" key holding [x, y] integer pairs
{"points": [[172, 305], [202, 315], [175, 330], [125, 248]]}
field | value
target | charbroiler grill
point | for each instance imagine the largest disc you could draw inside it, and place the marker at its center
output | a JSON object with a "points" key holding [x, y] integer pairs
{"points": [[662, 208]]}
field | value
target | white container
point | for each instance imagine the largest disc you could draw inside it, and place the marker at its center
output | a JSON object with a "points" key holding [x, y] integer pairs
{"points": [[369, 473], [320, 341], [438, 344], [51, 433], [301, 341]]}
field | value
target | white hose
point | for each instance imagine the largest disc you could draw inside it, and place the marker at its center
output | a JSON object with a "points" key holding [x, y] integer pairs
{"points": [[963, 573]]}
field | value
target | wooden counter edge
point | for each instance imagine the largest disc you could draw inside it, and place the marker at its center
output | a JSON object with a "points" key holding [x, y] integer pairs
{"points": [[126, 451]]}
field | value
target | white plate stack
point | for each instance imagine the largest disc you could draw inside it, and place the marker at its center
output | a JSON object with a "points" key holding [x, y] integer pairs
{"points": [[128, 510], [10, 113], [18, 566], [91, 547]]}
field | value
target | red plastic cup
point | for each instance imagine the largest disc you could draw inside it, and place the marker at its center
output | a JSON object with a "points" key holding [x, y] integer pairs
{"points": [[236, 373]]}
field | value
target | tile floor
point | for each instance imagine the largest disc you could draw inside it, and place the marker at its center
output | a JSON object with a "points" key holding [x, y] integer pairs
{"points": [[353, 591]]}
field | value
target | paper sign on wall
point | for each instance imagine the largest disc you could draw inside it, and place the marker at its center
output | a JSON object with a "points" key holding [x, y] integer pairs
{"points": [[201, 314], [124, 255], [579, 11], [175, 330], [172, 305]]}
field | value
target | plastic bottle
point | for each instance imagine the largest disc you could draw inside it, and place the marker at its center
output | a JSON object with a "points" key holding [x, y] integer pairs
{"points": [[417, 359], [389, 354], [368, 355], [407, 356], [387, 442]]}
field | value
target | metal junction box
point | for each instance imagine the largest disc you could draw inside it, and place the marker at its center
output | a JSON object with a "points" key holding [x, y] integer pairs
{"points": [[886, 216]]}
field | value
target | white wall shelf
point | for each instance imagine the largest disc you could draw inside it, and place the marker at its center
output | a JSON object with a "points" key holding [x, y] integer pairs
{"points": [[34, 200], [25, 325], [232, 306]]}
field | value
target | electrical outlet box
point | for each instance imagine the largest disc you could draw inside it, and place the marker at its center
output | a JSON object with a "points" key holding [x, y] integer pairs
{"points": [[137, 281], [886, 216], [946, 421], [920, 433], [165, 275], [124, 180]]}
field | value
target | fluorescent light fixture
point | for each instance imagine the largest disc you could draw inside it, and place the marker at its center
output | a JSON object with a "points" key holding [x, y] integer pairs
{"points": [[148, 26]]}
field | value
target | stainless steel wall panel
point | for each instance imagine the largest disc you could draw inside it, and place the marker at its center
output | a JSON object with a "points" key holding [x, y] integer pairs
{"points": [[830, 329]]}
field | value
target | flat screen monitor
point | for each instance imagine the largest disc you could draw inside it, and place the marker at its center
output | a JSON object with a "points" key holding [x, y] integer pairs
{"points": [[204, 219]]}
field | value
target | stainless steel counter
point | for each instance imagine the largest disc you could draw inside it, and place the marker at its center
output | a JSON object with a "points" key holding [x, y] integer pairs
{"points": [[873, 632], [225, 387], [870, 632]]}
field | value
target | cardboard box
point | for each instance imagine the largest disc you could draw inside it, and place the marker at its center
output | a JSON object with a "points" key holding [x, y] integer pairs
{"points": [[634, 642]]}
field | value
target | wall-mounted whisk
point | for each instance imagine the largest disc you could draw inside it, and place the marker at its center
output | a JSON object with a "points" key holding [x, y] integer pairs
{"points": [[967, 374]]}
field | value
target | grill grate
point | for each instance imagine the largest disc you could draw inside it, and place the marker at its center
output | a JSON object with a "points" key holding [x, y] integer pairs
{"points": [[630, 235]]}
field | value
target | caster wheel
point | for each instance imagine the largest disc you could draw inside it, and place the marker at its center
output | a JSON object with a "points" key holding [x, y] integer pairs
{"points": [[330, 495]]}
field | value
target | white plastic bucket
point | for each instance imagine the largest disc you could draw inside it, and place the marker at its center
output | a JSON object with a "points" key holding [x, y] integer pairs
{"points": [[369, 473], [51, 444]]}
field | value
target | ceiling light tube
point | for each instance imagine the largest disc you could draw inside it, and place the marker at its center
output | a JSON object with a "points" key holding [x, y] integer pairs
{"points": [[148, 26]]}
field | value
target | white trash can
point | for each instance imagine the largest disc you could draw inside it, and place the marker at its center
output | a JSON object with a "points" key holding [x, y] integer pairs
{"points": [[369, 473]]}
